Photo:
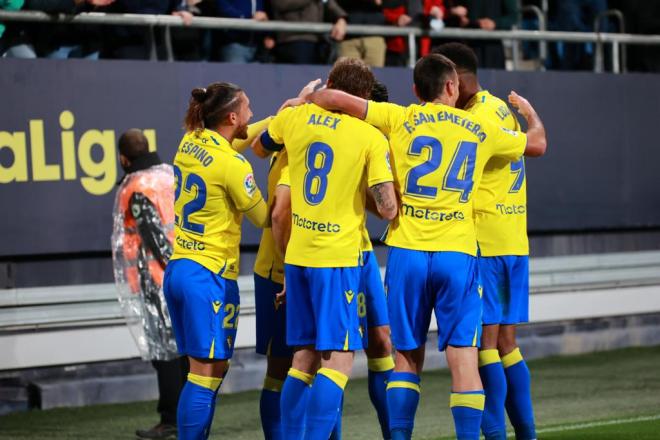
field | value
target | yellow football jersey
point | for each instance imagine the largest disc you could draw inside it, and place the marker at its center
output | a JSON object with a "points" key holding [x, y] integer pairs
{"points": [[329, 156], [214, 186], [500, 202], [438, 155], [269, 264]]}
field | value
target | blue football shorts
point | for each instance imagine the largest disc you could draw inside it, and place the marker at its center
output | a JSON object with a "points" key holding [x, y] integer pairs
{"points": [[322, 307], [372, 301], [505, 282], [420, 282], [204, 309], [271, 319]]}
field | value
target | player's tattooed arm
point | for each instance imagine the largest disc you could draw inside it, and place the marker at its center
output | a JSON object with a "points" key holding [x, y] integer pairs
{"points": [[536, 139], [385, 199]]}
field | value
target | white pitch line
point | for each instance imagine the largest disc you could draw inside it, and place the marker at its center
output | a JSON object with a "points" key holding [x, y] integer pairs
{"points": [[594, 424]]}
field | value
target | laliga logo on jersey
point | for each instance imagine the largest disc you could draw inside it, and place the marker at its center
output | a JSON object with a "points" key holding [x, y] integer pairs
{"points": [[249, 184], [94, 156]]}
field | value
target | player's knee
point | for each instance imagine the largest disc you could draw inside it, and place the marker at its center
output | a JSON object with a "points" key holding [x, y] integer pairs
{"points": [[489, 337], [506, 342], [278, 367], [380, 344]]}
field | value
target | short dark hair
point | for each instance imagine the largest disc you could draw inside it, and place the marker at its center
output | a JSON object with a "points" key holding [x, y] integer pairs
{"points": [[133, 144], [431, 74], [209, 106], [461, 54], [379, 92], [353, 76]]}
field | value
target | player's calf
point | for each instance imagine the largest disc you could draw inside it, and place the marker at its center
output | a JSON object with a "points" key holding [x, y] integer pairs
{"points": [[381, 365], [519, 397], [493, 424], [327, 393], [467, 398]]}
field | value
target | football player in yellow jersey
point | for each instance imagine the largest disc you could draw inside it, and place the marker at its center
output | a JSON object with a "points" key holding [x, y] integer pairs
{"points": [[330, 155], [500, 206], [214, 188], [439, 154]]}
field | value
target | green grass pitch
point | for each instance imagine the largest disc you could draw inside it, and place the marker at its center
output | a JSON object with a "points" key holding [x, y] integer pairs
{"points": [[607, 395]]}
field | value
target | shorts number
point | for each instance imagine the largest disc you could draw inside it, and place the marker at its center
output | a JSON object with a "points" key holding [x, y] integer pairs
{"points": [[459, 176], [316, 178], [517, 168], [192, 181], [362, 305], [232, 313]]}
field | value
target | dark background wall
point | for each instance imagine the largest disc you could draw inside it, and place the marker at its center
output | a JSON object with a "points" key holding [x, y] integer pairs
{"points": [[599, 175]]}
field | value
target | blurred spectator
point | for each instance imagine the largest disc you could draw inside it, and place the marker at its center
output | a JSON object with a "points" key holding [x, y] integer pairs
{"points": [[576, 16], [302, 48], [433, 13], [398, 13], [239, 46], [642, 17], [140, 43], [13, 40], [370, 49], [66, 41], [487, 15], [193, 44]]}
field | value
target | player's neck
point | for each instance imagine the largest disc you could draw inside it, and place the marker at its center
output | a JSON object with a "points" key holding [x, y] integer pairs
{"points": [[226, 132]]}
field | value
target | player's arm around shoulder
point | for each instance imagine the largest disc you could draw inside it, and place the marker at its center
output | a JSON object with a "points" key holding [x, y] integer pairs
{"points": [[254, 130], [272, 138], [536, 139]]}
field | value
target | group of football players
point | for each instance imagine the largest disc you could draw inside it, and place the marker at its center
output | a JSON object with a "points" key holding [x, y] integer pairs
{"points": [[447, 174]]}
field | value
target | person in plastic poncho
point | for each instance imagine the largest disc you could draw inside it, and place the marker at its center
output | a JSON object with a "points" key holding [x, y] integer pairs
{"points": [[141, 247]]}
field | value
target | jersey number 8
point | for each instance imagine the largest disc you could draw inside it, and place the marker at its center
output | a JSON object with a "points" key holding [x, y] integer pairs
{"points": [[318, 161]]}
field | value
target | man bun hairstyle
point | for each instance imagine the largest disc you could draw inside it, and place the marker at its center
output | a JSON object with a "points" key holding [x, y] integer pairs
{"points": [[209, 106], [352, 76], [461, 54], [431, 74]]}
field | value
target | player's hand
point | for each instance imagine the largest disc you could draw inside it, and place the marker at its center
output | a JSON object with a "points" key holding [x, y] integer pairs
{"points": [[521, 104], [293, 102], [280, 298], [309, 88], [186, 16]]}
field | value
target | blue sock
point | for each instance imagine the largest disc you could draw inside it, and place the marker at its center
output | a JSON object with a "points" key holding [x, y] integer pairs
{"points": [[196, 407], [269, 408], [379, 374], [293, 404], [493, 423], [467, 408], [324, 403], [402, 400], [519, 396], [336, 431]]}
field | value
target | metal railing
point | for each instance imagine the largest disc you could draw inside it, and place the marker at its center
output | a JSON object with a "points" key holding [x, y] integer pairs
{"points": [[168, 21]]}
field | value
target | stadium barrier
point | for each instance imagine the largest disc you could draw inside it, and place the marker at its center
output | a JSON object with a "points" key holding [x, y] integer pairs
{"points": [[615, 40], [74, 319]]}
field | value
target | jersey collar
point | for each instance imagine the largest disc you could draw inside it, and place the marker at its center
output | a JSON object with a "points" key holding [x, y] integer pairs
{"points": [[478, 98], [212, 138]]}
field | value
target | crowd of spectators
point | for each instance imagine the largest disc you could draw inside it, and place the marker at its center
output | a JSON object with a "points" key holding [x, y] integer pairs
{"points": [[193, 44]]}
